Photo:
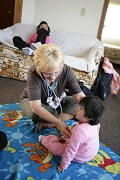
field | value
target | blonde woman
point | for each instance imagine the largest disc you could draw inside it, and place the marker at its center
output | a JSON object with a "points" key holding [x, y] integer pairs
{"points": [[44, 99]]}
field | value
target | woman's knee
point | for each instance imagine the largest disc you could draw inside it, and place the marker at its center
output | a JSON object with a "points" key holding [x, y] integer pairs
{"points": [[70, 105], [27, 110]]}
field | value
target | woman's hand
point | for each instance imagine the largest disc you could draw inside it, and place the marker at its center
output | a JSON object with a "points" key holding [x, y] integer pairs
{"points": [[60, 168], [64, 129]]}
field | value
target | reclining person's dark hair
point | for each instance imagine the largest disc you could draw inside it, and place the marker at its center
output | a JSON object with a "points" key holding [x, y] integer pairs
{"points": [[43, 22]]}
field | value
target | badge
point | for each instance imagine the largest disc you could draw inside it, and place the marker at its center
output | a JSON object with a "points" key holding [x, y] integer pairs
{"points": [[49, 99]]}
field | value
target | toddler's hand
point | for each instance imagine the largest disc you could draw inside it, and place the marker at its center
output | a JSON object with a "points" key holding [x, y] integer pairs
{"points": [[60, 168], [62, 139]]}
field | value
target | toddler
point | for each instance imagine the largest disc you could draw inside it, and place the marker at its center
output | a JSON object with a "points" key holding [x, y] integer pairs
{"points": [[83, 145]]}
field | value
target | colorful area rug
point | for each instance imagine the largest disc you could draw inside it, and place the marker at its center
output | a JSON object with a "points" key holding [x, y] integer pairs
{"points": [[25, 159]]}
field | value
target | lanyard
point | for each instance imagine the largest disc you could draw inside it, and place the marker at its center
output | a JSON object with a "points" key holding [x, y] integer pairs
{"points": [[50, 89]]}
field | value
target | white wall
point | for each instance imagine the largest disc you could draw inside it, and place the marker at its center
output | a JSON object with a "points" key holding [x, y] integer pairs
{"points": [[28, 10], [64, 14]]}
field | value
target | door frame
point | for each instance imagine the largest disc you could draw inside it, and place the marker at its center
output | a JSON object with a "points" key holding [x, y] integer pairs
{"points": [[102, 20], [17, 11]]}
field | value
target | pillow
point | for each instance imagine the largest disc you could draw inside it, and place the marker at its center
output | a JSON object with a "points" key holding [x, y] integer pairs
{"points": [[6, 35], [73, 44], [2, 34], [19, 29], [76, 63], [23, 30]]}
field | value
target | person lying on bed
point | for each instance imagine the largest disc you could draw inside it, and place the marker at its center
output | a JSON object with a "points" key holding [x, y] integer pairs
{"points": [[44, 98], [41, 37], [83, 145]]}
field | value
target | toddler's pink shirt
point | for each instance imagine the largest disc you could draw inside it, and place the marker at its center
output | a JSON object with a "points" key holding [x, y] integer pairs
{"points": [[81, 147]]}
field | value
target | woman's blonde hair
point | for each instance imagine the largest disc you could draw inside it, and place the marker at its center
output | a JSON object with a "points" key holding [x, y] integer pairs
{"points": [[48, 56]]}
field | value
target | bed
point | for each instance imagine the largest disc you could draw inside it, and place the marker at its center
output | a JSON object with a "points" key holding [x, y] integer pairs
{"points": [[25, 158], [82, 52], [112, 52]]}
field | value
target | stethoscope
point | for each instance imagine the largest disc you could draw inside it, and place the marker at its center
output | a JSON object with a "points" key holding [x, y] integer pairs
{"points": [[50, 91]]}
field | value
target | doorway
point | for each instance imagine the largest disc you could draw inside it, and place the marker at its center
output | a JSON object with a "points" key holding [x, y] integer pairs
{"points": [[109, 30], [10, 13]]}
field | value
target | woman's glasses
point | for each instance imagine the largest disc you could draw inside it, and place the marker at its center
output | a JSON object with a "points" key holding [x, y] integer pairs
{"points": [[48, 75]]}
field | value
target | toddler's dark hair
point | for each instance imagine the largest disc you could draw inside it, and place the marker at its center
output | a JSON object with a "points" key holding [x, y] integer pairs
{"points": [[93, 108], [43, 22]]}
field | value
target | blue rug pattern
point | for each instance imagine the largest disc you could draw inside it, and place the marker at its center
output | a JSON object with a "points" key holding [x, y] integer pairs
{"points": [[25, 158]]}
